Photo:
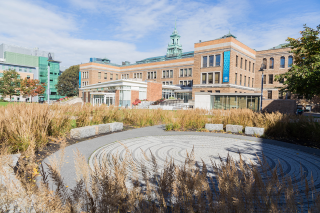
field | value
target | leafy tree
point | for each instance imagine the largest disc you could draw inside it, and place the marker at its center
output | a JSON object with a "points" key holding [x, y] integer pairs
{"points": [[10, 83], [303, 77], [32, 87], [68, 82]]}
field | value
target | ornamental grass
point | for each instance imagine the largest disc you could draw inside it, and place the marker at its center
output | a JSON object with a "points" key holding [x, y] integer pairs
{"points": [[228, 186]]}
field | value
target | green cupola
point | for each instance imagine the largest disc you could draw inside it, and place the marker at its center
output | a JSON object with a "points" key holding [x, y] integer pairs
{"points": [[174, 47]]}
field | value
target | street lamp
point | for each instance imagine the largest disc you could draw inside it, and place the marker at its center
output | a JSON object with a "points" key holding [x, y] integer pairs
{"points": [[261, 69]]}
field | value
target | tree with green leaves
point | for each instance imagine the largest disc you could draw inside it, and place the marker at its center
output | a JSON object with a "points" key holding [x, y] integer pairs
{"points": [[303, 78], [68, 82], [10, 83]]}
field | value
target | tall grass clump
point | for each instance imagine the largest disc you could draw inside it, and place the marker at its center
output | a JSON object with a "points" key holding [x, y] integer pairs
{"points": [[228, 186]]}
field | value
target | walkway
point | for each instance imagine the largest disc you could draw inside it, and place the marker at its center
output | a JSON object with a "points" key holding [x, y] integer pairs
{"points": [[206, 145]]}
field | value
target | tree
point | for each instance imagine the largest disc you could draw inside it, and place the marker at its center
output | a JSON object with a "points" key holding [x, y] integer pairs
{"points": [[68, 82], [32, 87], [303, 78], [10, 83]]}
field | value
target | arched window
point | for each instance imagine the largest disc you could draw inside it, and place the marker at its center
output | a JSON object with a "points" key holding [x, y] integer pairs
{"points": [[282, 62], [264, 63], [271, 63], [290, 61]]}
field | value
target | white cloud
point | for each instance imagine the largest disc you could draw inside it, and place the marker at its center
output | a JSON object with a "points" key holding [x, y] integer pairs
{"points": [[28, 24]]}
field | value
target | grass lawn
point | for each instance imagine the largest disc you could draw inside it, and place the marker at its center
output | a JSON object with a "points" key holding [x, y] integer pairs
{"points": [[4, 103]]}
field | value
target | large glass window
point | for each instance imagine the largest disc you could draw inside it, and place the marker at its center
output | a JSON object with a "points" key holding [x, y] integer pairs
{"points": [[271, 79], [211, 57], [271, 63], [204, 78], [204, 61], [217, 78], [282, 62], [236, 61], [264, 62], [236, 78], [269, 94], [218, 57], [210, 78], [290, 61]]}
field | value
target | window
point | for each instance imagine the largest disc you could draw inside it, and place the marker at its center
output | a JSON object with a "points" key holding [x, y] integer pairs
{"points": [[171, 73], [245, 79], [240, 79], [249, 65], [217, 78], [201, 90], [217, 91], [269, 94], [236, 61], [211, 57], [245, 65], [252, 82], [28, 76], [282, 62], [166, 82], [236, 79], [248, 81], [185, 72], [280, 95], [241, 63], [105, 75], [181, 72], [204, 78], [210, 91], [218, 60], [190, 72], [281, 80], [20, 69], [111, 76], [167, 74], [264, 79], [204, 61], [252, 67], [271, 63], [271, 79], [290, 61], [99, 75], [18, 76], [264, 62], [210, 78], [151, 75]]}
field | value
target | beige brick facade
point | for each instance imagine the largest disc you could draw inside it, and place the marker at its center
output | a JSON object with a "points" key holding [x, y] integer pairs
{"points": [[244, 74]]}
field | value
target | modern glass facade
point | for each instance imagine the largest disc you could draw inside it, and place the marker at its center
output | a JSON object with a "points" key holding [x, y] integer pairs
{"points": [[235, 102], [54, 74]]}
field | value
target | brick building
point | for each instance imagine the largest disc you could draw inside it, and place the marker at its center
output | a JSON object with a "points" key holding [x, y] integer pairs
{"points": [[223, 65]]}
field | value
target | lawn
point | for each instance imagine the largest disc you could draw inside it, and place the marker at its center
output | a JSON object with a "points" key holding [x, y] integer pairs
{"points": [[4, 103]]}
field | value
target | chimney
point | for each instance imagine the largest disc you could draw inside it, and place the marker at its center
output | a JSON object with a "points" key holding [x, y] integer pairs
{"points": [[199, 41]]}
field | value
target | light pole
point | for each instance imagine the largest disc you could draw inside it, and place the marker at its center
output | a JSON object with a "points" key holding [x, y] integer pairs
{"points": [[261, 69]]}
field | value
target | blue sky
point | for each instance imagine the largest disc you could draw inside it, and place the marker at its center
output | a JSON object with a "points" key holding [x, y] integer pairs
{"points": [[120, 30]]}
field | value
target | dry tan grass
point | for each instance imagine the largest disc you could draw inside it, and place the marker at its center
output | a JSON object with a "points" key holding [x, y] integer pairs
{"points": [[238, 186]]}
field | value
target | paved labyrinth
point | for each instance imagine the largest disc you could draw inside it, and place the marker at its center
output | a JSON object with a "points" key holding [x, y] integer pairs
{"points": [[210, 148]]}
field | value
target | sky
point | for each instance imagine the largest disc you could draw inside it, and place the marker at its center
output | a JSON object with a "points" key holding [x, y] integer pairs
{"points": [[120, 30]]}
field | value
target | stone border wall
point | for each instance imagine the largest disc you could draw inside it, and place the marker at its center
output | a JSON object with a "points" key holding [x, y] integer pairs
{"points": [[89, 131]]}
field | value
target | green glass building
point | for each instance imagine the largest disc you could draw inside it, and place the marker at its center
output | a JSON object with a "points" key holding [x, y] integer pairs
{"points": [[14, 57]]}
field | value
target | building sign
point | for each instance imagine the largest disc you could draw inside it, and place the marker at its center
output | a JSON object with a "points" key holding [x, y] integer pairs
{"points": [[79, 79], [226, 66]]}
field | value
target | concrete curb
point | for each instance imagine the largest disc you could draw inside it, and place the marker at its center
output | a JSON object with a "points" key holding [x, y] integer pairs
{"points": [[89, 131]]}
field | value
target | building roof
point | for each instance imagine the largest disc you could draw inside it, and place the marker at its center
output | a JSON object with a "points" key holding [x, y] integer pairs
{"points": [[279, 46]]}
